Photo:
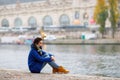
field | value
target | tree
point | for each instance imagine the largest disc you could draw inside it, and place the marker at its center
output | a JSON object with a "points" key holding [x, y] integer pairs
{"points": [[101, 14], [114, 15]]}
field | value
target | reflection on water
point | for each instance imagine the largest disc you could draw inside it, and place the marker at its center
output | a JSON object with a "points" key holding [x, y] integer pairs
{"points": [[111, 49], [79, 59]]}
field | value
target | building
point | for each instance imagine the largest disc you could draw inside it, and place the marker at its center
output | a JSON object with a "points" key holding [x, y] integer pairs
{"points": [[37, 13]]}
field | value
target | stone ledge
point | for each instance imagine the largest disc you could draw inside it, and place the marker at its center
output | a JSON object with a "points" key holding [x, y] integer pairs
{"points": [[87, 42], [20, 75]]}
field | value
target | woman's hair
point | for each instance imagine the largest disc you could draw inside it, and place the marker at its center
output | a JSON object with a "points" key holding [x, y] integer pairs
{"points": [[37, 40]]}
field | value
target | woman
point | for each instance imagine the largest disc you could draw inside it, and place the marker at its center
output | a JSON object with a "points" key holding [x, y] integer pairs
{"points": [[38, 58]]}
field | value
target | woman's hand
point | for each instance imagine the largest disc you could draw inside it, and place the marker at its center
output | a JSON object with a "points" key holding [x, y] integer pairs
{"points": [[53, 58]]}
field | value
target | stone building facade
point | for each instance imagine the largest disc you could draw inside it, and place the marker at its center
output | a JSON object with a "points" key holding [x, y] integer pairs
{"points": [[47, 13]]}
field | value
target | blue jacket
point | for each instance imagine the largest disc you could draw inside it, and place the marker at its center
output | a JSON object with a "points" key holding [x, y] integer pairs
{"points": [[35, 60]]}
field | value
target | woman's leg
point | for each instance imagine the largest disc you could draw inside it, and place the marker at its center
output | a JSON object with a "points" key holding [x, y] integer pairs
{"points": [[53, 64], [57, 69], [43, 65], [45, 55]]}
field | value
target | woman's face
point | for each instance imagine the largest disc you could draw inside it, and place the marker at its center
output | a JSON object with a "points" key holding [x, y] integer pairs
{"points": [[40, 43]]}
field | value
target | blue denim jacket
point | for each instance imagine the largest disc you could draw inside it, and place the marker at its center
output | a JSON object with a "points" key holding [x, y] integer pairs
{"points": [[35, 60]]}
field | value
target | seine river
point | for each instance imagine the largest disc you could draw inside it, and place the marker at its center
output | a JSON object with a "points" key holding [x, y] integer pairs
{"points": [[103, 60]]}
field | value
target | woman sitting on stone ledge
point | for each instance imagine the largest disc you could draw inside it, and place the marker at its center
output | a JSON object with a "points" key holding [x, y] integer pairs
{"points": [[38, 58]]}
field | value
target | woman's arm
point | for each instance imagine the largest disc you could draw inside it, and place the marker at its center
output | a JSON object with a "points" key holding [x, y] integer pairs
{"points": [[43, 52], [51, 55], [40, 58]]}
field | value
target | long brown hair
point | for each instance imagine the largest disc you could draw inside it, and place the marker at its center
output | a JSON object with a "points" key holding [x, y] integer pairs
{"points": [[37, 40]]}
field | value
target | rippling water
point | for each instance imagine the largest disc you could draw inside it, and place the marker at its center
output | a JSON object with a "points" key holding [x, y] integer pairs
{"points": [[101, 60]]}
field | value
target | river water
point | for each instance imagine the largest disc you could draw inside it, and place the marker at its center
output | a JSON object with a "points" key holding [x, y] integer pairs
{"points": [[103, 60]]}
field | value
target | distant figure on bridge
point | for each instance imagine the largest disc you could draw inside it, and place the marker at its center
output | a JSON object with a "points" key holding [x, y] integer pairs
{"points": [[38, 58]]}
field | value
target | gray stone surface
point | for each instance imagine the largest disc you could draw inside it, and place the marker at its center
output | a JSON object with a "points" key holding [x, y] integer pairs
{"points": [[19, 75]]}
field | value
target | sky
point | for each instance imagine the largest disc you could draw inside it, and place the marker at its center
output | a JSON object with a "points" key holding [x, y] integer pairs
{"points": [[5, 2]]}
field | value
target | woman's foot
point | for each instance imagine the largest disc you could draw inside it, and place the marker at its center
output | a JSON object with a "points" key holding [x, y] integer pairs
{"points": [[60, 70], [55, 70]]}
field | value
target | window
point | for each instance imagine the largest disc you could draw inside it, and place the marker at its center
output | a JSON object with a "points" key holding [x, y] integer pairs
{"points": [[64, 20], [76, 15], [5, 23], [18, 22], [47, 21], [85, 16], [32, 22]]}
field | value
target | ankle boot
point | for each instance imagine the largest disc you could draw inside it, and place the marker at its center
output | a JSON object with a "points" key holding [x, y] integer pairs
{"points": [[55, 70], [62, 70]]}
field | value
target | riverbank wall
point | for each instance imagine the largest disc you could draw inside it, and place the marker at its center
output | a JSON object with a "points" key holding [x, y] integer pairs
{"points": [[84, 42], [73, 42]]}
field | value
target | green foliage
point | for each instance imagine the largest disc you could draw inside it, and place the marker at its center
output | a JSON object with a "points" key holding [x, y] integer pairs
{"points": [[101, 14], [114, 15]]}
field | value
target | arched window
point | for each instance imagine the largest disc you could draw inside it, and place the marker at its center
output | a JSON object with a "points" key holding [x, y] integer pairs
{"points": [[85, 15], [47, 21], [64, 20], [5, 23], [32, 22], [77, 15], [18, 22]]}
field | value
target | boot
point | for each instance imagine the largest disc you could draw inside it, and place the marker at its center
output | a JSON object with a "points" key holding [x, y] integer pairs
{"points": [[55, 70], [62, 70]]}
